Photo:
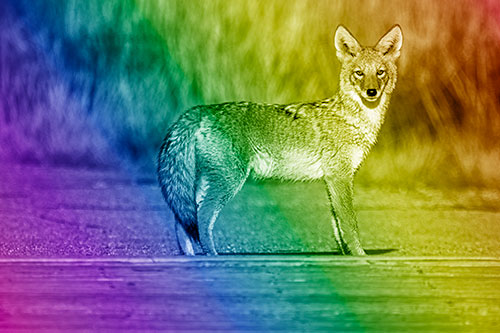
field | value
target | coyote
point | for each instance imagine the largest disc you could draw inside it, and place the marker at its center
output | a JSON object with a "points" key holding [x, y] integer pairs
{"points": [[210, 151]]}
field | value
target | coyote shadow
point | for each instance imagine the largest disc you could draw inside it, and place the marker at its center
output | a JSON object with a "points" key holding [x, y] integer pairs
{"points": [[320, 253]]}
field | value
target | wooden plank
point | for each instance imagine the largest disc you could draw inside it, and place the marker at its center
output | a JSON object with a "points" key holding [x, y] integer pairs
{"points": [[251, 293]]}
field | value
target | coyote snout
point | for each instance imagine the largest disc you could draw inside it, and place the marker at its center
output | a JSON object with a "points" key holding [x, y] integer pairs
{"points": [[211, 150]]}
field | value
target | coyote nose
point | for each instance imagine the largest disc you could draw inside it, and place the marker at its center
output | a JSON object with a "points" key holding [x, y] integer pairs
{"points": [[371, 92]]}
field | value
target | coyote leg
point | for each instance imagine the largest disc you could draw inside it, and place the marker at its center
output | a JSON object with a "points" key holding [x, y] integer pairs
{"points": [[213, 194], [206, 228], [345, 225], [186, 244]]}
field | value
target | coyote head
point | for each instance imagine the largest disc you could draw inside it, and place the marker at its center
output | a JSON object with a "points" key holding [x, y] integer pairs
{"points": [[367, 73]]}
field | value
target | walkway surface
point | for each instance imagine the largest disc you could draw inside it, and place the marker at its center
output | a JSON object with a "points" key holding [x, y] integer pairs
{"points": [[255, 293], [87, 250]]}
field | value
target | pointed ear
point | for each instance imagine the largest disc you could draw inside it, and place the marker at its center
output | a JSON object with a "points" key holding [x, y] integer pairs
{"points": [[390, 44], [347, 46]]}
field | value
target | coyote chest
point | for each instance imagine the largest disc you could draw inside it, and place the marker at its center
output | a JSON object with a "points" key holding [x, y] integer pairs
{"points": [[292, 164]]}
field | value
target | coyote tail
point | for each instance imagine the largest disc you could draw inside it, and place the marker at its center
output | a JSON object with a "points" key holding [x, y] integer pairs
{"points": [[177, 172]]}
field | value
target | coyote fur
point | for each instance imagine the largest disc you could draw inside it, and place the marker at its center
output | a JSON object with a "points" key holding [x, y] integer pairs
{"points": [[211, 150]]}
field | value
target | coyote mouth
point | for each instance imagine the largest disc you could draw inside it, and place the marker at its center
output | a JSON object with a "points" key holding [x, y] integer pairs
{"points": [[371, 102], [371, 99]]}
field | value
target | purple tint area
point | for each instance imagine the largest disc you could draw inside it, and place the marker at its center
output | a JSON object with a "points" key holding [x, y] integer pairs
{"points": [[60, 212], [72, 97], [61, 122], [42, 119]]}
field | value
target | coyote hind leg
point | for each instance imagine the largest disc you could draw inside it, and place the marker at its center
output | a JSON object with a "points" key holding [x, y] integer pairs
{"points": [[213, 194], [187, 245]]}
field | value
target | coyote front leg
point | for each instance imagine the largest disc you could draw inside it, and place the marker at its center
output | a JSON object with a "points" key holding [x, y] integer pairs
{"points": [[345, 225]]}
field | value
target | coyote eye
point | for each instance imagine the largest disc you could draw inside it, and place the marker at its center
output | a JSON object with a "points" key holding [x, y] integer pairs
{"points": [[359, 74], [381, 72]]}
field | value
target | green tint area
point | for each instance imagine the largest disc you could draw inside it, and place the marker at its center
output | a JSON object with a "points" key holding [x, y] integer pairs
{"points": [[272, 217], [284, 217], [248, 50]]}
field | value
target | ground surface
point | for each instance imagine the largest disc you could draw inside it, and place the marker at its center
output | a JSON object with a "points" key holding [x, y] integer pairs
{"points": [[256, 293], [84, 250], [57, 212]]}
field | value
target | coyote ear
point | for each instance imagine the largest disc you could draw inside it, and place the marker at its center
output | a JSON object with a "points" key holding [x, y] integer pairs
{"points": [[390, 44], [347, 46]]}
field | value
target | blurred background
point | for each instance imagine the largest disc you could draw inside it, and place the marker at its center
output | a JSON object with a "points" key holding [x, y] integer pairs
{"points": [[97, 83]]}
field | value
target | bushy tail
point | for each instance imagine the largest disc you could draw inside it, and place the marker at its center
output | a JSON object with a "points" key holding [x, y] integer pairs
{"points": [[177, 171]]}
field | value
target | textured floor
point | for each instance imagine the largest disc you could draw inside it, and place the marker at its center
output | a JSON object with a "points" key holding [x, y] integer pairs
{"points": [[93, 251], [257, 293], [57, 212]]}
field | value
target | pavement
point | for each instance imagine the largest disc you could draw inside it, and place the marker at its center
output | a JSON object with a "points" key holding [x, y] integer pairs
{"points": [[275, 293], [54, 212], [94, 251]]}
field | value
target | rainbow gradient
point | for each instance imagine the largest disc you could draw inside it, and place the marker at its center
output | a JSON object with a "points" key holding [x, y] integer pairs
{"points": [[81, 80], [89, 88]]}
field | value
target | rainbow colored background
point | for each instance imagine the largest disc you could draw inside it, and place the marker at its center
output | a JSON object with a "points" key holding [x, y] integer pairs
{"points": [[97, 83]]}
